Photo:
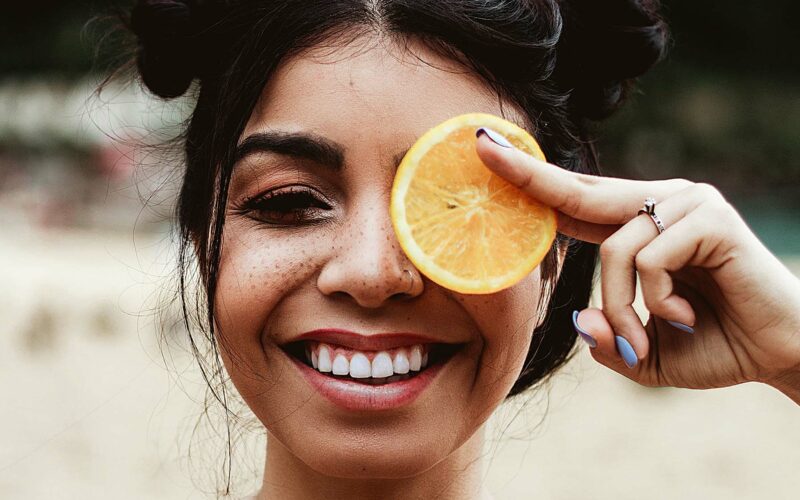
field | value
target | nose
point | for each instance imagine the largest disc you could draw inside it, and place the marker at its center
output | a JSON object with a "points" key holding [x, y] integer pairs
{"points": [[367, 262]]}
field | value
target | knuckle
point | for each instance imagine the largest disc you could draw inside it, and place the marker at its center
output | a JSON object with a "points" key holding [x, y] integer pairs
{"points": [[709, 192], [572, 202], [525, 180], [580, 185], [652, 308], [586, 180], [609, 248], [645, 261], [720, 213], [651, 303], [618, 246], [680, 184]]}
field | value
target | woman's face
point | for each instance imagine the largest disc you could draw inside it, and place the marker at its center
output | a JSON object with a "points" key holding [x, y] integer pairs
{"points": [[326, 257]]}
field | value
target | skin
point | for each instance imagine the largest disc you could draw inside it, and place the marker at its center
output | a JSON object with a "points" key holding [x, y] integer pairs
{"points": [[707, 270], [348, 270]]}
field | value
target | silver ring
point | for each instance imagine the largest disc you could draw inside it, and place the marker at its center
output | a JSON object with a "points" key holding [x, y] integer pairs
{"points": [[649, 208]]}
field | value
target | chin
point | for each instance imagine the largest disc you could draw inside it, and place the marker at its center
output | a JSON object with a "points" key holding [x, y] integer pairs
{"points": [[402, 457]]}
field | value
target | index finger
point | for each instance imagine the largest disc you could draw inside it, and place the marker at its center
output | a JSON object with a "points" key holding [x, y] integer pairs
{"points": [[591, 198]]}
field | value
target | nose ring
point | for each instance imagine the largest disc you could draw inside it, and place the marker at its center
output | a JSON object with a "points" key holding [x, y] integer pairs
{"points": [[411, 279]]}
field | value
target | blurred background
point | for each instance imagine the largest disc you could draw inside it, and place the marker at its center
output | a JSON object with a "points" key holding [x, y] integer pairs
{"points": [[100, 396]]}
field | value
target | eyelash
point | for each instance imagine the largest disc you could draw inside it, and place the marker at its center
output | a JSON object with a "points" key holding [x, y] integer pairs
{"points": [[291, 200]]}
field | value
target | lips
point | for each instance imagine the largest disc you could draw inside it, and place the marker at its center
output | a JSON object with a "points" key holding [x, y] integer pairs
{"points": [[369, 372]]}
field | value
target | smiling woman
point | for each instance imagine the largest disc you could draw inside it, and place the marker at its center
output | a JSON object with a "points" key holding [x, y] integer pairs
{"points": [[337, 255], [370, 380]]}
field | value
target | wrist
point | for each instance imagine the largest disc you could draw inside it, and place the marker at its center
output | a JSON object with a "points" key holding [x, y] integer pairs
{"points": [[788, 381]]}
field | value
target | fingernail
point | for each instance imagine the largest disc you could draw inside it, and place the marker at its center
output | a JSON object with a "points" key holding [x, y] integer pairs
{"points": [[494, 136], [681, 326], [586, 336], [626, 351]]}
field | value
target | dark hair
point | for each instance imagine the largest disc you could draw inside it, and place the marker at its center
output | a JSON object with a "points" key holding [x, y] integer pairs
{"points": [[564, 63]]}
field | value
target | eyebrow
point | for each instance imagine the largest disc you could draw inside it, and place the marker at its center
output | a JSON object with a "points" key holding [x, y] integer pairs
{"points": [[303, 145]]}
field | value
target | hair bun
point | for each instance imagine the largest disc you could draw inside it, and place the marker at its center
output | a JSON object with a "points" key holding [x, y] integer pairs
{"points": [[167, 33], [605, 45]]}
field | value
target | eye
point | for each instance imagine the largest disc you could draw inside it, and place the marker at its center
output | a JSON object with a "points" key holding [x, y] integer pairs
{"points": [[290, 206]]}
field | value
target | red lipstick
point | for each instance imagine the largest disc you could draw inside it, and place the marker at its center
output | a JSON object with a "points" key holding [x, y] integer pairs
{"points": [[370, 342], [355, 394]]}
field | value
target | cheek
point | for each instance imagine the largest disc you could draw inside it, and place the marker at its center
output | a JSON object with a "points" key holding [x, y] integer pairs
{"points": [[256, 270], [506, 320]]}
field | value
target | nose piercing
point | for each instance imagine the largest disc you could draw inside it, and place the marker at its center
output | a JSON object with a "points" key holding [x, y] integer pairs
{"points": [[411, 278]]}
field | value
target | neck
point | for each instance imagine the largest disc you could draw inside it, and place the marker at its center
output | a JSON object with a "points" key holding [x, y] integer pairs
{"points": [[458, 476]]}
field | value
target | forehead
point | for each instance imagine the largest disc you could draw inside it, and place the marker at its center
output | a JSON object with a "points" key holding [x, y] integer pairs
{"points": [[372, 86]]}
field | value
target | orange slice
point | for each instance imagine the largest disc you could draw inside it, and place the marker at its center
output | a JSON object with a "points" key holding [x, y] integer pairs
{"points": [[462, 225]]}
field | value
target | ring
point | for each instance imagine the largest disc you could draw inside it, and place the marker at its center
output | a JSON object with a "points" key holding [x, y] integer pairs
{"points": [[650, 209], [412, 279]]}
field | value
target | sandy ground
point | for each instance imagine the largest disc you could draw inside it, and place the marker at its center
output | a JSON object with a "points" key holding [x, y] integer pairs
{"points": [[89, 410]]}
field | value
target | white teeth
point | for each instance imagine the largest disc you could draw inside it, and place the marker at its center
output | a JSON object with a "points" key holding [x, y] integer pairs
{"points": [[381, 365], [415, 361], [384, 364], [400, 365], [341, 366], [359, 366], [324, 359]]}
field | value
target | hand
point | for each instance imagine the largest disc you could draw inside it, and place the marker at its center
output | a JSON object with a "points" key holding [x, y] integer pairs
{"points": [[707, 271]]}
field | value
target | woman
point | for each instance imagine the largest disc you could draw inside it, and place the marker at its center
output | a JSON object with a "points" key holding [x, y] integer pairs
{"points": [[303, 110]]}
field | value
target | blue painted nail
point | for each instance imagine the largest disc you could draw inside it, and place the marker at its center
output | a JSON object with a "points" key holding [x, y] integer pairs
{"points": [[627, 352], [494, 136], [681, 326], [586, 336]]}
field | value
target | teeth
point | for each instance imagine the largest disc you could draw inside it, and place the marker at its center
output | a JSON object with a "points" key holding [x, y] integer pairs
{"points": [[359, 366], [384, 365], [381, 365], [341, 366], [324, 359], [400, 365], [415, 361]]}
